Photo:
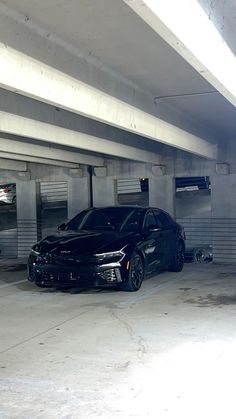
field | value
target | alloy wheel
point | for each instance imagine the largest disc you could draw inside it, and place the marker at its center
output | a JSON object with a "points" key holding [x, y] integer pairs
{"points": [[137, 271]]}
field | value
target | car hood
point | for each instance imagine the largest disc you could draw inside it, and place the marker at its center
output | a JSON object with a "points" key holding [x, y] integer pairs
{"points": [[86, 242]]}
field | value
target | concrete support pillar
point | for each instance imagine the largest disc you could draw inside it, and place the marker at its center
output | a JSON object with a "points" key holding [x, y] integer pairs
{"points": [[223, 202], [223, 205], [78, 195], [27, 226], [103, 191], [162, 193]]}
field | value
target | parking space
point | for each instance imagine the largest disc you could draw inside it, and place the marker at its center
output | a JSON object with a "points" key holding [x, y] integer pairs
{"points": [[164, 351]]}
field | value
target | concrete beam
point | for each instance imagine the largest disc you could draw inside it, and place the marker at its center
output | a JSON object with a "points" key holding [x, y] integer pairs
{"points": [[25, 127], [186, 28], [13, 165], [39, 160], [29, 77], [47, 152]]}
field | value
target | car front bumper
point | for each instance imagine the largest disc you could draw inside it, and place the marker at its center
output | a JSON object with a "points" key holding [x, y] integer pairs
{"points": [[6, 199], [52, 275]]}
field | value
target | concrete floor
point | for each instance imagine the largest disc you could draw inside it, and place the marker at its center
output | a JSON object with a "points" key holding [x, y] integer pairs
{"points": [[167, 351]]}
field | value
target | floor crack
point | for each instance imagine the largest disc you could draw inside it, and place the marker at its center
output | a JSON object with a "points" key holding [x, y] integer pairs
{"points": [[142, 348]]}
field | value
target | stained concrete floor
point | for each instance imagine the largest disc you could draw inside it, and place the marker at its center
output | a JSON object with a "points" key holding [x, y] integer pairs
{"points": [[167, 351]]}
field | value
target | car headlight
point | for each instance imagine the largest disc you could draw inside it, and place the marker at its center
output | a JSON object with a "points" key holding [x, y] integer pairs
{"points": [[109, 257], [35, 250]]}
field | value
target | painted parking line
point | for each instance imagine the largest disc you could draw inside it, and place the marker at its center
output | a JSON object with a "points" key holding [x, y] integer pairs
{"points": [[13, 283]]}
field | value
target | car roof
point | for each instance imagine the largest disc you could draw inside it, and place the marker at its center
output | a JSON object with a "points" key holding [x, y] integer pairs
{"points": [[129, 207]]}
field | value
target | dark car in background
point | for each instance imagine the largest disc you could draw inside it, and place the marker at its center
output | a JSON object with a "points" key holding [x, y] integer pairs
{"points": [[112, 246]]}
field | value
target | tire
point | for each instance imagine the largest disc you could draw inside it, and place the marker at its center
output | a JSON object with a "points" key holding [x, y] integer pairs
{"points": [[201, 255], [136, 274], [14, 200], [178, 262]]}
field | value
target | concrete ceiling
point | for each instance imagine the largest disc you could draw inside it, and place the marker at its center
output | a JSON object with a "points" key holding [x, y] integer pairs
{"points": [[110, 32], [223, 15]]}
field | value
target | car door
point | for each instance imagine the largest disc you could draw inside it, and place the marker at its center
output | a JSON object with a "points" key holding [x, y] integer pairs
{"points": [[153, 242], [165, 222]]}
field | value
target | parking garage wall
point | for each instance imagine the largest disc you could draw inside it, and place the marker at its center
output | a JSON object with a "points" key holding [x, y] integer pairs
{"points": [[161, 192], [22, 225], [18, 239], [221, 220]]}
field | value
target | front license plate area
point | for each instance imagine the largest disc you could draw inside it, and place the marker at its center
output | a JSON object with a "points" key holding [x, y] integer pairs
{"points": [[73, 276], [64, 276], [68, 276]]}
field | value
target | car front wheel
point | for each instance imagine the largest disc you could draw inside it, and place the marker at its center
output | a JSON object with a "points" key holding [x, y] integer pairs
{"points": [[178, 262], [136, 274]]}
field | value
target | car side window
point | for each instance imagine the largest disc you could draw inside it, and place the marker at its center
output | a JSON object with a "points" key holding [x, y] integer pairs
{"points": [[133, 221], [163, 220], [150, 220]]}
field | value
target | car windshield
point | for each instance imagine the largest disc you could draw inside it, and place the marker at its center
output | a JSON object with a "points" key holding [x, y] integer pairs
{"points": [[6, 185], [119, 219]]}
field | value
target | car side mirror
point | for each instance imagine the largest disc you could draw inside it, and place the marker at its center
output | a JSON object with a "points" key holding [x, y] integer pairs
{"points": [[153, 228], [61, 227]]}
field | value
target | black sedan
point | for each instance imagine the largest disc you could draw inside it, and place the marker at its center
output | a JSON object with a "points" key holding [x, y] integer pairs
{"points": [[112, 246]]}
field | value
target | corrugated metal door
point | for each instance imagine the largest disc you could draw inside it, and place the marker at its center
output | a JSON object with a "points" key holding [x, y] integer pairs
{"points": [[53, 193], [132, 191], [8, 230], [53, 201]]}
